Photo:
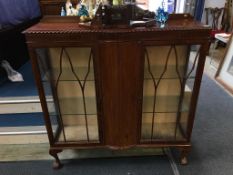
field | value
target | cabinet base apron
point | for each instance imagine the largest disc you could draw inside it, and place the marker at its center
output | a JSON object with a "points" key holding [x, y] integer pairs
{"points": [[183, 149]]}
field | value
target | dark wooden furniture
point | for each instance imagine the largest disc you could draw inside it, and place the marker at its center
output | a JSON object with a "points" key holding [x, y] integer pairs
{"points": [[215, 18], [51, 7], [118, 88]]}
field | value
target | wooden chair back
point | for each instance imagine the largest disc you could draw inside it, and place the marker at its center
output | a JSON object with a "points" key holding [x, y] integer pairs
{"points": [[214, 17]]}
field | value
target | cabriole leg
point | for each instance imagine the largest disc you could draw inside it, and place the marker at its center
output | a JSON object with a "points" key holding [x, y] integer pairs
{"points": [[184, 155], [56, 164]]}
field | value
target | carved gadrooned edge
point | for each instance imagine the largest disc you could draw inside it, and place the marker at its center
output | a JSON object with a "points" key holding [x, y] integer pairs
{"points": [[110, 31]]}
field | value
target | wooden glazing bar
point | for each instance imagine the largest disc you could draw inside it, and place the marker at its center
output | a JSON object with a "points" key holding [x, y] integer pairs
{"points": [[56, 87], [82, 86], [156, 84]]}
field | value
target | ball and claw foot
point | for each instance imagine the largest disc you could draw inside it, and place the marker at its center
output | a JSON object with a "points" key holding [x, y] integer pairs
{"points": [[184, 154], [184, 161], [56, 164]]}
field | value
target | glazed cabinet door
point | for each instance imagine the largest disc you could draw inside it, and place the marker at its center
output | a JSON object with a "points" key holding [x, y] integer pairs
{"points": [[68, 77], [121, 70], [169, 77]]}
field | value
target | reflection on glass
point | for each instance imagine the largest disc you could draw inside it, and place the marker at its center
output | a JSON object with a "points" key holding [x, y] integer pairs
{"points": [[51, 105], [72, 99], [167, 91]]}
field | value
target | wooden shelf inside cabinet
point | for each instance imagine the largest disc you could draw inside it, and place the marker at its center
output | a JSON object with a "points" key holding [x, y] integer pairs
{"points": [[67, 76], [164, 104], [162, 132], [74, 105], [171, 72], [117, 87]]}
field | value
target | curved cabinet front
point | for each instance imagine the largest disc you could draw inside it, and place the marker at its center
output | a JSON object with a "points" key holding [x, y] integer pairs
{"points": [[121, 66]]}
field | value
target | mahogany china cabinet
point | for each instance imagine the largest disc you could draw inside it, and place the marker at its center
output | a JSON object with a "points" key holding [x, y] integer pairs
{"points": [[118, 88]]}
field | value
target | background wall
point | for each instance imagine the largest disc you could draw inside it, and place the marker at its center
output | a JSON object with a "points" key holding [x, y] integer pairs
{"points": [[214, 3]]}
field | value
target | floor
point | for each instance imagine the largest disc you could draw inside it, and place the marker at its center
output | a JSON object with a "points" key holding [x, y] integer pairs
{"points": [[35, 146]]}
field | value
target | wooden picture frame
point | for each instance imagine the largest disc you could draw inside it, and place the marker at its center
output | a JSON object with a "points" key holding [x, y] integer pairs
{"points": [[224, 74]]}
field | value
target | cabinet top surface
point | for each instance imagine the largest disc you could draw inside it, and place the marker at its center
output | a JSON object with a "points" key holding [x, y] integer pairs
{"points": [[56, 25]]}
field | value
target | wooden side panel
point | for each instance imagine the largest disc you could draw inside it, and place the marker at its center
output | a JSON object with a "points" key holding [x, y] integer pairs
{"points": [[120, 71]]}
